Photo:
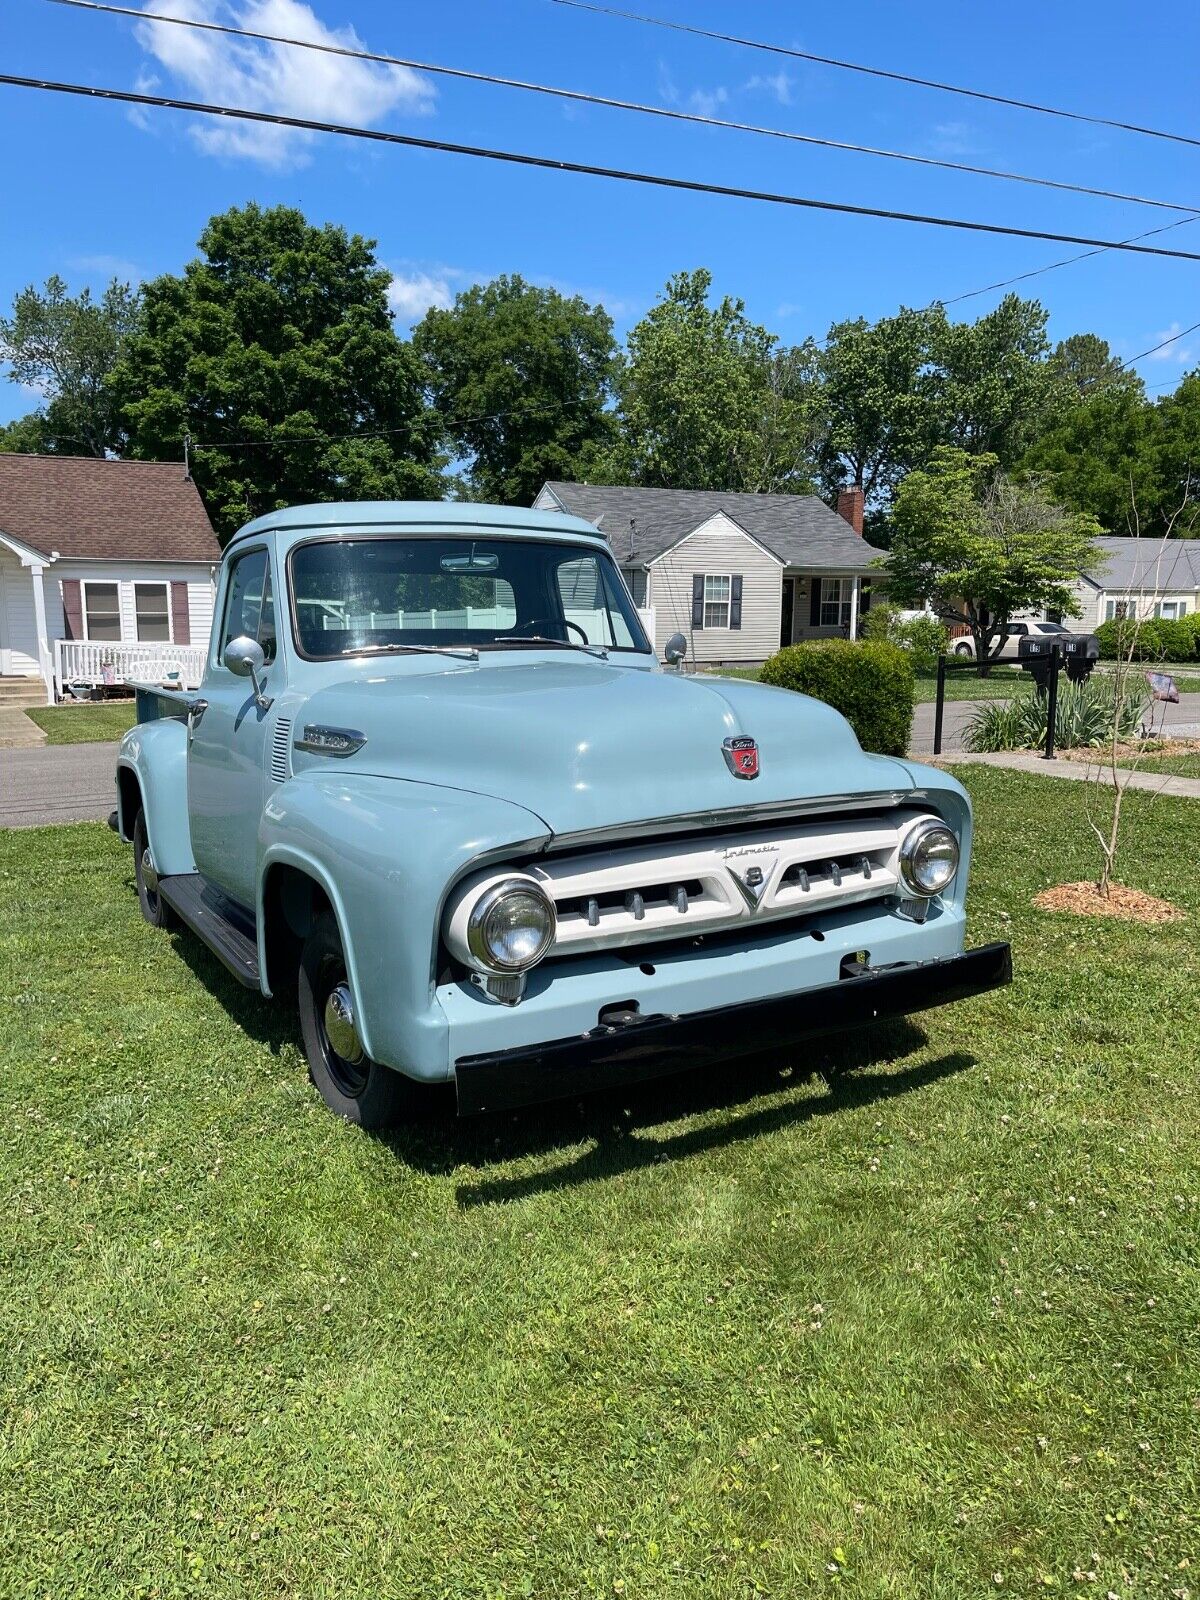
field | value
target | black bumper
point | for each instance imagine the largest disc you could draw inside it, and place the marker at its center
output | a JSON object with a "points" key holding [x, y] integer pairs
{"points": [[648, 1046]]}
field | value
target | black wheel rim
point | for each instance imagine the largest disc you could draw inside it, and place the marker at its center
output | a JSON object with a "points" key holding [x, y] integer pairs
{"points": [[349, 1077]]}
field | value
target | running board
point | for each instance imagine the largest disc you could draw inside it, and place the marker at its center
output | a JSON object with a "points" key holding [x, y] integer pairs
{"points": [[224, 927]]}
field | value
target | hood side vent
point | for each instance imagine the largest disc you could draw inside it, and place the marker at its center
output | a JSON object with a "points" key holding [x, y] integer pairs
{"points": [[281, 766]]}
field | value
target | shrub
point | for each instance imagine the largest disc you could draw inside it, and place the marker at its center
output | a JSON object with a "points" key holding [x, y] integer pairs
{"points": [[870, 682], [924, 637], [1083, 719], [1156, 639]]}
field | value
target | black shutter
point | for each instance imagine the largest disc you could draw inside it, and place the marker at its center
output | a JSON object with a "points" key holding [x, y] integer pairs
{"points": [[735, 600], [814, 604], [697, 599]]}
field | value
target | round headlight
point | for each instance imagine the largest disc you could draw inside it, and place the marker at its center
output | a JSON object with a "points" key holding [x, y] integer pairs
{"points": [[929, 858], [511, 926]]}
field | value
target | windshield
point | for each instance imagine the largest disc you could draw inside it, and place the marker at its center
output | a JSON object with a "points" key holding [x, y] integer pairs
{"points": [[354, 595]]}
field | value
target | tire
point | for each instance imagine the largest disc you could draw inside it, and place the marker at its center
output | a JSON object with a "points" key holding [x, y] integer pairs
{"points": [[154, 908], [359, 1090], [964, 650]]}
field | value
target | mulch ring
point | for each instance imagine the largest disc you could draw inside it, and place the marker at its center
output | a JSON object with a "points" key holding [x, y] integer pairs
{"points": [[1130, 751], [1085, 900]]}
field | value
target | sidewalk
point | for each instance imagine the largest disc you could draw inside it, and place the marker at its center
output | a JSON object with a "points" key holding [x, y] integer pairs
{"points": [[1027, 761]]}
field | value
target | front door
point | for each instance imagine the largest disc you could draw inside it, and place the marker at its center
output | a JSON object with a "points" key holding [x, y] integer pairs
{"points": [[789, 606], [227, 742]]}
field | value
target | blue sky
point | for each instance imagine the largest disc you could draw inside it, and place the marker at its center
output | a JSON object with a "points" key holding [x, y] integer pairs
{"points": [[89, 189]]}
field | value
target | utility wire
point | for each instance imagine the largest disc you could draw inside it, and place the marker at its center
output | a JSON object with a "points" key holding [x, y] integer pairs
{"points": [[877, 72], [641, 108], [588, 169], [1155, 348]]}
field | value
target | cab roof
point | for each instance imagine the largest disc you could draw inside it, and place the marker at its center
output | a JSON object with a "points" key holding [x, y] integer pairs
{"points": [[436, 515]]}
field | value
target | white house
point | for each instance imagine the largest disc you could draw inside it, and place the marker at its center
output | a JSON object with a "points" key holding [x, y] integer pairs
{"points": [[1140, 577], [106, 572], [738, 574]]}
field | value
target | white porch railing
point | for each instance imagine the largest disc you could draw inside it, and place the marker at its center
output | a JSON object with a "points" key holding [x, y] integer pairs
{"points": [[97, 664]]}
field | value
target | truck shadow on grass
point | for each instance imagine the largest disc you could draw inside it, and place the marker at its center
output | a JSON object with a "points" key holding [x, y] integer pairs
{"points": [[625, 1129]]}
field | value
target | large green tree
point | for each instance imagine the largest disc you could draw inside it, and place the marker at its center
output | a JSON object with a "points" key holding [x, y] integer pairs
{"points": [[1086, 364], [996, 390], [707, 401], [1104, 455], [521, 378], [275, 352], [978, 545], [67, 346], [878, 400]]}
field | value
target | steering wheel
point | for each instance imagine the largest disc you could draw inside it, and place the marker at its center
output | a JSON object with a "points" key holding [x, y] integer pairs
{"points": [[547, 624]]}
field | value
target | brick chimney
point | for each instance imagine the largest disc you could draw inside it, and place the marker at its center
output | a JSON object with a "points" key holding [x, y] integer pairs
{"points": [[850, 506]]}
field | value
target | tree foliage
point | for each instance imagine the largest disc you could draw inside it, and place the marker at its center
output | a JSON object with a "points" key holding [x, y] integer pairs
{"points": [[521, 378], [67, 346], [979, 545], [707, 401], [268, 350]]}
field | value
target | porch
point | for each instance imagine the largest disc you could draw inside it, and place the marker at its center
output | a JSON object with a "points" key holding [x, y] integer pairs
{"points": [[822, 605], [96, 664]]}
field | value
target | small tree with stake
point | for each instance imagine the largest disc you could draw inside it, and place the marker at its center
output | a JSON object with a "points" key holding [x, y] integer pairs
{"points": [[979, 546]]}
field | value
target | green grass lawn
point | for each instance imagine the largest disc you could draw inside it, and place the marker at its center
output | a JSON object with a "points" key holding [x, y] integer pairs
{"points": [[1178, 766], [1000, 684], [84, 724], [888, 1317]]}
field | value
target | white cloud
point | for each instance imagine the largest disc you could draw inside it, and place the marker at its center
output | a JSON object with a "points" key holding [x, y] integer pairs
{"points": [[705, 102], [410, 295], [271, 77], [953, 139], [778, 84], [1171, 350]]}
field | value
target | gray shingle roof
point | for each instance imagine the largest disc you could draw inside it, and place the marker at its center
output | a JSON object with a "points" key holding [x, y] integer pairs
{"points": [[800, 529], [1157, 565]]}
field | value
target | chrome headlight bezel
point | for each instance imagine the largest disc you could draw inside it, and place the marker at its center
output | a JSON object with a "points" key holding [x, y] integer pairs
{"points": [[920, 834], [481, 952]]}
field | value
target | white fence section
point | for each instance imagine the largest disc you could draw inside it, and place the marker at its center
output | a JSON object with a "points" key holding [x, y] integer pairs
{"points": [[91, 663]]}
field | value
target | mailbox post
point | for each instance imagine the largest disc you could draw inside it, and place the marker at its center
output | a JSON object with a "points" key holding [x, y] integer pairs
{"points": [[1040, 655]]}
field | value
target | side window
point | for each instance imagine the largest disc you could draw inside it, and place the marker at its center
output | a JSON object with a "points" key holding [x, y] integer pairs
{"points": [[250, 604]]}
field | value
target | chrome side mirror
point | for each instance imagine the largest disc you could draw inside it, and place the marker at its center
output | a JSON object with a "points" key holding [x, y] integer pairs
{"points": [[675, 649], [245, 659]]}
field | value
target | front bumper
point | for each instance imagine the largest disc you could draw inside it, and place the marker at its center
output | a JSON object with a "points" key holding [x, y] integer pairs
{"points": [[647, 1046]]}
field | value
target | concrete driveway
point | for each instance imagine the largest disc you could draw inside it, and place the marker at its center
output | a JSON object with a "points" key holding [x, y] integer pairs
{"points": [[57, 783]]}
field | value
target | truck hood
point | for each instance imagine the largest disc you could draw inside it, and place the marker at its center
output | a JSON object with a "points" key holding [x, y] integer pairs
{"points": [[587, 745]]}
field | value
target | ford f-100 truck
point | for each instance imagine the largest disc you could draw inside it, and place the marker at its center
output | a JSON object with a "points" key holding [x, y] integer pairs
{"points": [[436, 790]]}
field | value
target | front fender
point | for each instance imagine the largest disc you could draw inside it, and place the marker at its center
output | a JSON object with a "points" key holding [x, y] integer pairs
{"points": [[156, 754], [385, 851]]}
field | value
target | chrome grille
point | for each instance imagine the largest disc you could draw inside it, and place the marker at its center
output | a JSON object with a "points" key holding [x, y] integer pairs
{"points": [[616, 897]]}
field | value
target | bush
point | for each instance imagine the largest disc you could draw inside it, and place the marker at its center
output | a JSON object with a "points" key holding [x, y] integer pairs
{"points": [[870, 682], [1156, 639], [924, 637], [1083, 719]]}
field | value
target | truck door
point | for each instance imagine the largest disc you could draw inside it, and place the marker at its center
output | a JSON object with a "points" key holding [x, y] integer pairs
{"points": [[227, 742]]}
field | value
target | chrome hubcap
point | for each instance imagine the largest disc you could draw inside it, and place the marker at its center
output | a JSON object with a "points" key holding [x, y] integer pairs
{"points": [[149, 876], [339, 1025]]}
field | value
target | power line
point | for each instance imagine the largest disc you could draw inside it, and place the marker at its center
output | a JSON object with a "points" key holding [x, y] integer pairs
{"points": [[1155, 348], [1053, 266], [587, 169], [640, 107], [877, 72]]}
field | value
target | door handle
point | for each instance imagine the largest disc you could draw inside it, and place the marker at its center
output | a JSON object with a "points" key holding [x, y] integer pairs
{"points": [[195, 710]]}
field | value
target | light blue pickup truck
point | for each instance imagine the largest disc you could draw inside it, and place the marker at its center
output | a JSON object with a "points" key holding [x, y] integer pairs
{"points": [[436, 790]]}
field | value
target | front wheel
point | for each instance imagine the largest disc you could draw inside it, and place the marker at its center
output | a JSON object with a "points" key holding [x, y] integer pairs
{"points": [[350, 1083], [964, 650]]}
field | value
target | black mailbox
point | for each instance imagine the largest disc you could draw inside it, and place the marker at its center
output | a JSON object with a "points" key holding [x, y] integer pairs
{"points": [[1081, 651], [1034, 651]]}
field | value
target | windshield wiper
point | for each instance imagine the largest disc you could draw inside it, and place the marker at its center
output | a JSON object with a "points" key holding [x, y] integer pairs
{"points": [[557, 644], [468, 653]]}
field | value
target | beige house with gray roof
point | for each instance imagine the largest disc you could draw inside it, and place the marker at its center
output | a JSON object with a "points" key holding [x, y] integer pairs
{"points": [[738, 574]]}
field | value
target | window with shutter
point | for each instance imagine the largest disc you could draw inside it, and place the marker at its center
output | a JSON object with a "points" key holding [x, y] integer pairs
{"points": [[152, 611], [102, 612]]}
